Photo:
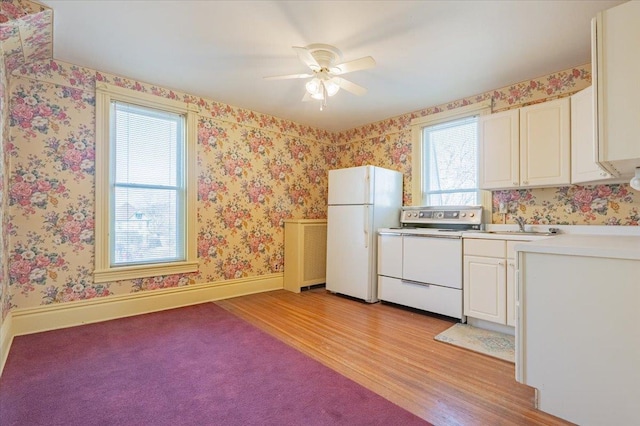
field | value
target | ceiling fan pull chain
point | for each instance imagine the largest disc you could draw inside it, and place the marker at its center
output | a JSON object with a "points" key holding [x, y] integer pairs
{"points": [[323, 103]]}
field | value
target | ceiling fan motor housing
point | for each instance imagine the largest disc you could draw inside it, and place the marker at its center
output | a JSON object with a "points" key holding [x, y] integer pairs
{"points": [[326, 55]]}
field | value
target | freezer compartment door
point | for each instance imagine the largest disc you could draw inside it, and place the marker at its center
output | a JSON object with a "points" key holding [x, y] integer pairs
{"points": [[351, 186], [350, 252]]}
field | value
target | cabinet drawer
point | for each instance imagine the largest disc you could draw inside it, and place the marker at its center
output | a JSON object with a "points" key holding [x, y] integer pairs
{"points": [[485, 248], [432, 298]]}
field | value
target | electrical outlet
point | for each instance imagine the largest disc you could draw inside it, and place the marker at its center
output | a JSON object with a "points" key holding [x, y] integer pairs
{"points": [[276, 266], [502, 208]]}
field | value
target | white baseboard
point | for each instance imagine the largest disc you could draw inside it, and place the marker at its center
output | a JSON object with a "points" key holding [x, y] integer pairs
{"points": [[6, 337], [51, 317]]}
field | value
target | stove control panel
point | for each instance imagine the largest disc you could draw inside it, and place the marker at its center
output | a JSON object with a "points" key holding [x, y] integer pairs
{"points": [[471, 215]]}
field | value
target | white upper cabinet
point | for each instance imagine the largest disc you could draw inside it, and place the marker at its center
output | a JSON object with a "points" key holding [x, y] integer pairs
{"points": [[584, 168], [529, 147], [545, 144], [616, 71], [499, 153]]}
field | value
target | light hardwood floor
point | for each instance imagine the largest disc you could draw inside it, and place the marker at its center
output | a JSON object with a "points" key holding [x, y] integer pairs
{"points": [[391, 351]]}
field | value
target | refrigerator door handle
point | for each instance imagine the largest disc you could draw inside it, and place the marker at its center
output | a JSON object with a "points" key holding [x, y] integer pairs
{"points": [[366, 227], [367, 186]]}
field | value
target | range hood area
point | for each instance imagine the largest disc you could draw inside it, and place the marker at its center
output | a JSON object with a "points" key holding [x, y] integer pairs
{"points": [[616, 67]]}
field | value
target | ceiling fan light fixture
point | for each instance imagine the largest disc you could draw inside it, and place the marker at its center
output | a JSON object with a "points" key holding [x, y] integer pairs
{"points": [[331, 86], [313, 86]]}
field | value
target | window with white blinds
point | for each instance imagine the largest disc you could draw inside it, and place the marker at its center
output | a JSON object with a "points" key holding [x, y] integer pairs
{"points": [[450, 151], [145, 185], [147, 212], [444, 168]]}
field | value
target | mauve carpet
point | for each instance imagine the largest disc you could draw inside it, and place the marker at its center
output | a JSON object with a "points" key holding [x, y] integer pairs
{"points": [[198, 365]]}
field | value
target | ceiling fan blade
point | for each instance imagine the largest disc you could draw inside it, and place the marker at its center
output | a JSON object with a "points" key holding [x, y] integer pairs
{"points": [[355, 65], [306, 57], [349, 86], [285, 77], [307, 97]]}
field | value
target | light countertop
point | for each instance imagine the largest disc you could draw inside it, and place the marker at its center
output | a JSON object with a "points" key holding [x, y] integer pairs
{"points": [[608, 246]]}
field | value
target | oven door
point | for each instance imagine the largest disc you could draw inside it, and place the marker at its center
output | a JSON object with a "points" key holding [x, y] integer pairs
{"points": [[433, 260]]}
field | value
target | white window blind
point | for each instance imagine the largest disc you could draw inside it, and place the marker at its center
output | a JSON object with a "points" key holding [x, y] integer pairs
{"points": [[450, 169], [148, 185]]}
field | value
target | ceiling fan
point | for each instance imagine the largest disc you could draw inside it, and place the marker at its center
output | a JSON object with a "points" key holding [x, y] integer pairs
{"points": [[326, 66]]}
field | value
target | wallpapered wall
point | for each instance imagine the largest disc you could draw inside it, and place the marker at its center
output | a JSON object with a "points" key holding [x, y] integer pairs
{"points": [[4, 224], [254, 171], [25, 35], [388, 144]]}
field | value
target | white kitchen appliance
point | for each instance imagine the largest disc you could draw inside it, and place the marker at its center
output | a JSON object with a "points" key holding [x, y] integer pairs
{"points": [[420, 264], [361, 200]]}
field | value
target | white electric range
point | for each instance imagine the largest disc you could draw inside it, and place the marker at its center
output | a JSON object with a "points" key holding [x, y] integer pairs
{"points": [[420, 263]]}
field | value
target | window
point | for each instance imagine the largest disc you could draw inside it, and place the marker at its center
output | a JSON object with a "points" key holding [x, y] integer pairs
{"points": [[145, 185], [450, 153], [445, 155]]}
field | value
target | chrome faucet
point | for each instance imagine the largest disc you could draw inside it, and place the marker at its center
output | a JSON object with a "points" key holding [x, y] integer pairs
{"points": [[521, 221]]}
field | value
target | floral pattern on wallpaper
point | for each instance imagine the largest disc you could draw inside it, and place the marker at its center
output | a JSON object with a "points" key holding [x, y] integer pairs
{"points": [[5, 296], [25, 33], [388, 144], [254, 172], [571, 205]]}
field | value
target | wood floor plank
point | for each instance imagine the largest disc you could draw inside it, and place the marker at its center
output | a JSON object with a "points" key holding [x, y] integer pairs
{"points": [[391, 351]]}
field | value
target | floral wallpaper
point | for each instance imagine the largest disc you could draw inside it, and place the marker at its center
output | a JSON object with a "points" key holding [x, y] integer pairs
{"points": [[254, 171], [25, 34], [4, 224], [388, 144]]}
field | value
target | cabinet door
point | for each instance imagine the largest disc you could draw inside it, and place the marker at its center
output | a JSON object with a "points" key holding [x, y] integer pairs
{"points": [[485, 288], [499, 152], [390, 255], [545, 152], [511, 292], [616, 71], [511, 282], [583, 148]]}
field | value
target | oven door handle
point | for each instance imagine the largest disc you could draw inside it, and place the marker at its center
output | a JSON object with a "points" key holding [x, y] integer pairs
{"points": [[415, 283], [451, 237]]}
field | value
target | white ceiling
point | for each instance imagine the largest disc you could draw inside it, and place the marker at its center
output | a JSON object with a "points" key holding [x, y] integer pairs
{"points": [[427, 52]]}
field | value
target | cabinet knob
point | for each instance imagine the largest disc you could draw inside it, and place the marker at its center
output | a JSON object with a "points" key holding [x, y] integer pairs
{"points": [[501, 263], [515, 183], [526, 182], [605, 174]]}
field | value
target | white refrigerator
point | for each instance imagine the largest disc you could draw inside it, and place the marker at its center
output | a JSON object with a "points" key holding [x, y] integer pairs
{"points": [[361, 200]]}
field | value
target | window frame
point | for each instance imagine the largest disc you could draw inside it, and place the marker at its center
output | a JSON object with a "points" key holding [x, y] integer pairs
{"points": [[417, 131], [104, 271]]}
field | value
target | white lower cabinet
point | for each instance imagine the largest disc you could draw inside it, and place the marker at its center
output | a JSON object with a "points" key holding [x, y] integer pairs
{"points": [[489, 280]]}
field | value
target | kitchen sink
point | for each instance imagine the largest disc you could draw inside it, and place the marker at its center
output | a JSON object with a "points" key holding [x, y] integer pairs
{"points": [[539, 233]]}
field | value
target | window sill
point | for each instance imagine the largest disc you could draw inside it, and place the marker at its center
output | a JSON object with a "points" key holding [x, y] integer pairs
{"points": [[143, 271]]}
